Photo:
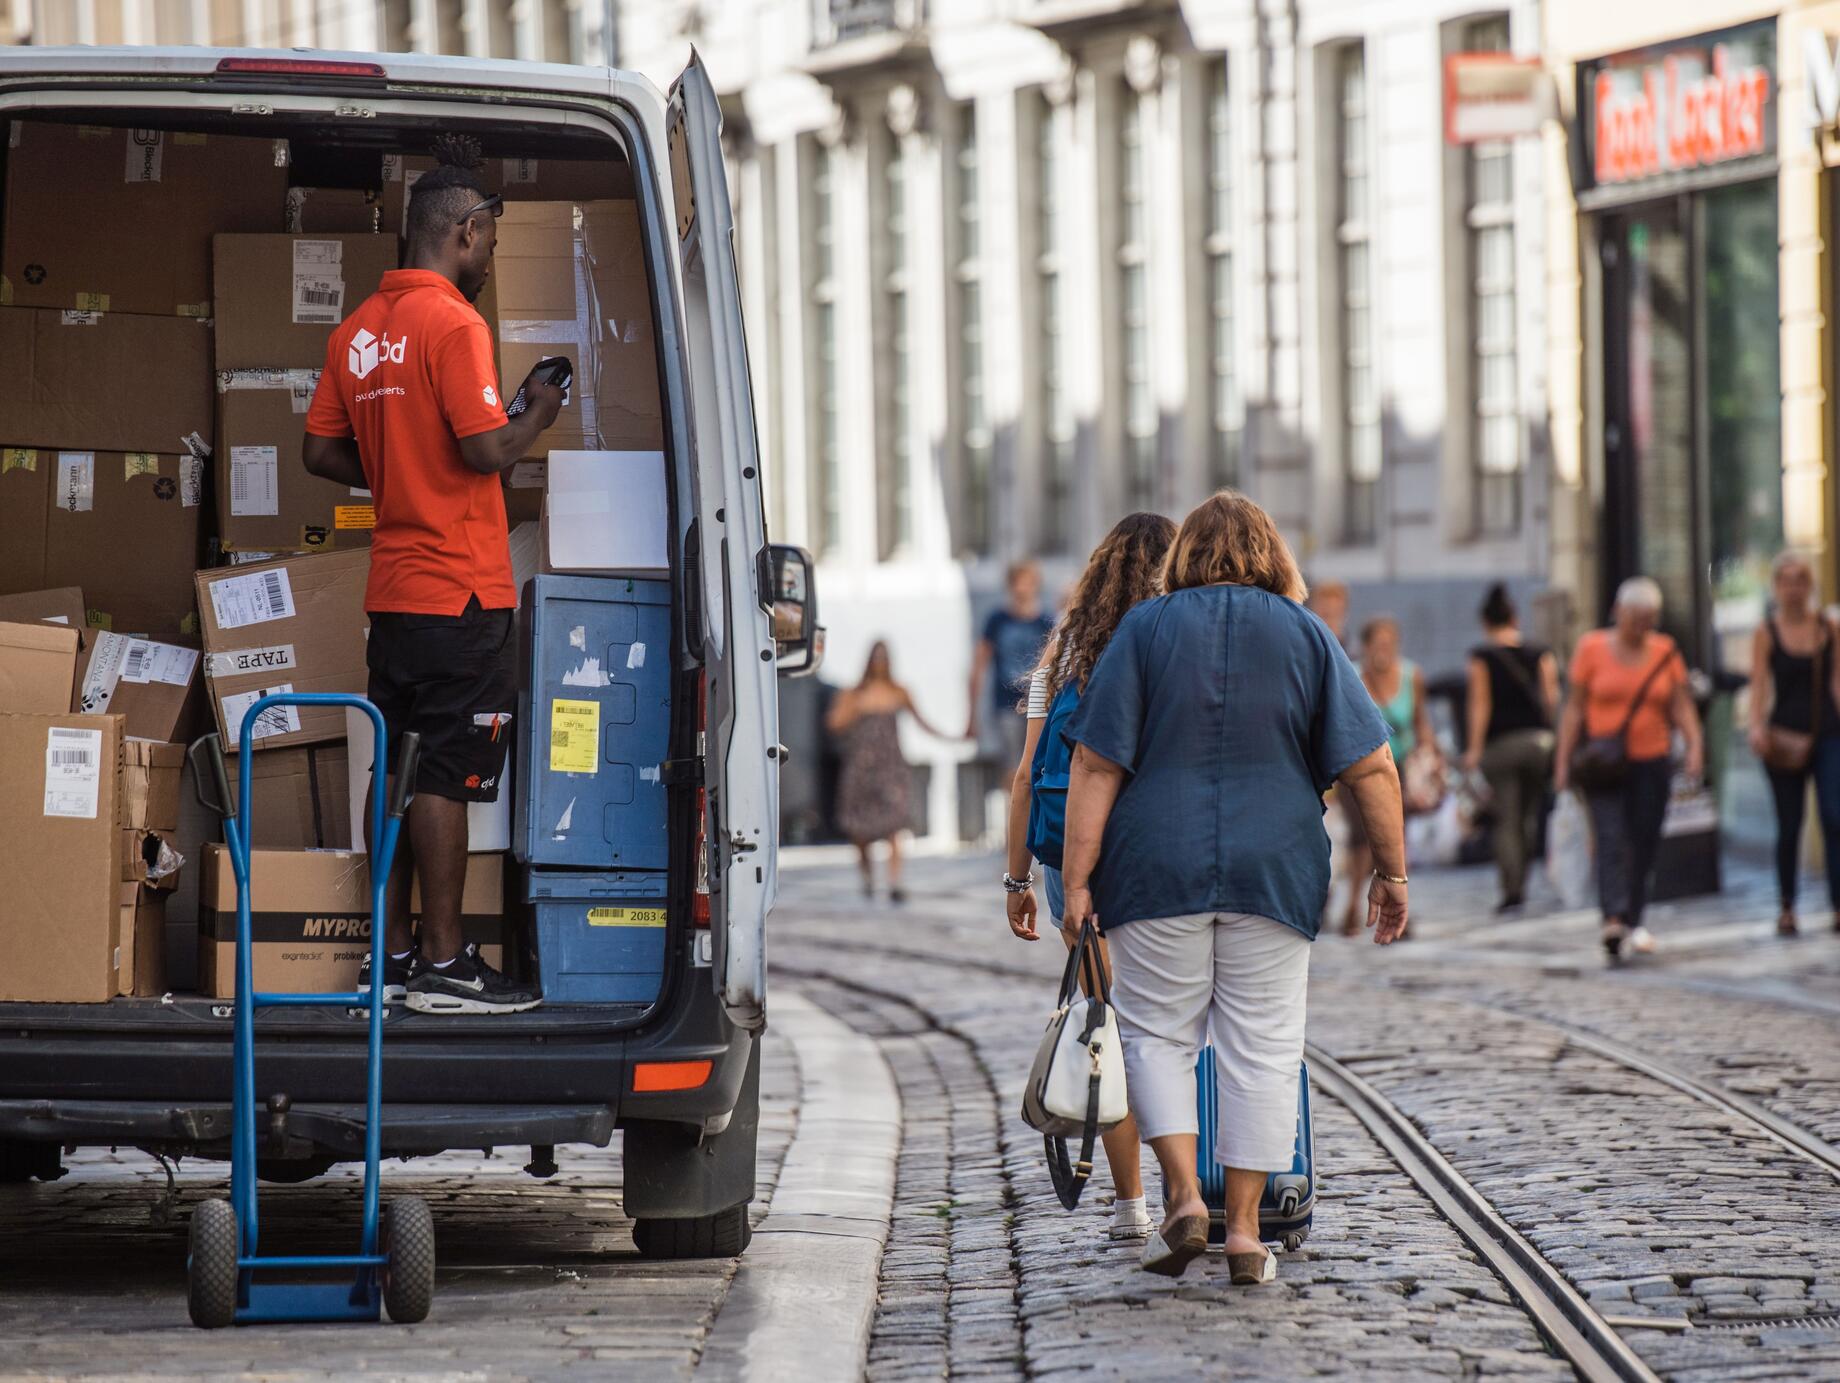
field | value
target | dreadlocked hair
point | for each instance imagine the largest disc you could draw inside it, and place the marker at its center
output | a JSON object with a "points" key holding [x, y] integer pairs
{"points": [[458, 151], [1124, 570]]}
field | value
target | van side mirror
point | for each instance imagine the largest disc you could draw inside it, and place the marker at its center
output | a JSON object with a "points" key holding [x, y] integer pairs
{"points": [[798, 639]]}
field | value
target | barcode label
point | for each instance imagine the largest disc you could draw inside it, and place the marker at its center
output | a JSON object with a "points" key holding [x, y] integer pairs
{"points": [[134, 666], [329, 297], [276, 720], [73, 772], [252, 598], [318, 298], [147, 661]]}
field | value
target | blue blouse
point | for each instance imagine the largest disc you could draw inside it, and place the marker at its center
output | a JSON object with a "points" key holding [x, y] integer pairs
{"points": [[1232, 710]]}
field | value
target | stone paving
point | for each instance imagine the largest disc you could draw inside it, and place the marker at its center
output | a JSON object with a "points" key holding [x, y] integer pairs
{"points": [[1659, 1207], [537, 1279]]}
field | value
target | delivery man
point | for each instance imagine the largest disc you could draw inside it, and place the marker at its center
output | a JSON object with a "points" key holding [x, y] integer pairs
{"points": [[409, 408]]}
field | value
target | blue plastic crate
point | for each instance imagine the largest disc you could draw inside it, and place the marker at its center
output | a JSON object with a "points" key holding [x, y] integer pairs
{"points": [[600, 936], [596, 723]]}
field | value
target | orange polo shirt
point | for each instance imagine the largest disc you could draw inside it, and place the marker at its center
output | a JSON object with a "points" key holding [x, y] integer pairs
{"points": [[1608, 685], [407, 375]]}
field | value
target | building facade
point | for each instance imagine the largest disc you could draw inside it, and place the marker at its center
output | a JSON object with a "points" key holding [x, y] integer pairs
{"points": [[1016, 267], [575, 31]]}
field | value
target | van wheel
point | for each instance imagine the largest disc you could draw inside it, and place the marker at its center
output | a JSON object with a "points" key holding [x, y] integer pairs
{"points": [[20, 1161], [724, 1234]]}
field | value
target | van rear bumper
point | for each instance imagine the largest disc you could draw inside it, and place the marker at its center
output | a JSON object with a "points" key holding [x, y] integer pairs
{"points": [[136, 1073]]}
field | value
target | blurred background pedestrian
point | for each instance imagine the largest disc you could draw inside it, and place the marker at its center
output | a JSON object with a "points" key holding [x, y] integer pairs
{"points": [[1207, 734], [1795, 726], [1629, 696], [1397, 688], [1007, 651], [1125, 569], [875, 787], [1512, 704], [1329, 603]]}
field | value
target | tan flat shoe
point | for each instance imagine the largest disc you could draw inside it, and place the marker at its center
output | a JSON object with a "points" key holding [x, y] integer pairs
{"points": [[1253, 1269], [1169, 1253]]}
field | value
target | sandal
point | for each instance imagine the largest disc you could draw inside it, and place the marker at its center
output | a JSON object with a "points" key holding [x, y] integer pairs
{"points": [[1253, 1269], [1174, 1247]]}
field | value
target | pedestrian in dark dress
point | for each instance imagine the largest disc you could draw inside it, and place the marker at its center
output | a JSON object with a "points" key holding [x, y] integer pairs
{"points": [[875, 788], [1794, 732], [1513, 702]]}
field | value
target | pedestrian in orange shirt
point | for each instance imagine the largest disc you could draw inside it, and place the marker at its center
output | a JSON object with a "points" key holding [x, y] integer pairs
{"points": [[408, 406], [1629, 694]]}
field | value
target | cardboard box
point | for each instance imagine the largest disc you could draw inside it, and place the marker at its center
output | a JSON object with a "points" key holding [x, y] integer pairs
{"points": [[310, 918], [297, 624], [120, 220], [38, 668], [132, 543], [606, 514], [300, 798], [280, 297], [105, 381], [266, 499], [571, 281], [516, 179], [142, 927], [150, 778], [63, 606], [332, 211], [147, 683], [152, 859], [25, 496], [60, 855]]}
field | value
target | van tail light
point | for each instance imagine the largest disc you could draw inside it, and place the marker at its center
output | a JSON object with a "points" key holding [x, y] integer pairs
{"points": [[299, 67], [699, 900], [651, 1077]]}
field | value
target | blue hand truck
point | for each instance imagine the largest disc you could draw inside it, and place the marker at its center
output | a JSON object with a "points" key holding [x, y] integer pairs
{"points": [[394, 1264]]}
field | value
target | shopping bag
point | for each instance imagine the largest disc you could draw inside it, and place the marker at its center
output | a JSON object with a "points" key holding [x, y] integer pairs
{"points": [[1568, 851]]}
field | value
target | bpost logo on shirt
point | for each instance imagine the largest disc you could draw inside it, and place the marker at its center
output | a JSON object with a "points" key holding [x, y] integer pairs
{"points": [[367, 352]]}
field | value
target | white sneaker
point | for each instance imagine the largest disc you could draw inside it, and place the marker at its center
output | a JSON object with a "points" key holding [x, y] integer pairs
{"points": [[1131, 1220], [1642, 941]]}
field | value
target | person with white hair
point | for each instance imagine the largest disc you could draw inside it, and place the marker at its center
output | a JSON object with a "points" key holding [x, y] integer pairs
{"points": [[1629, 696], [1795, 724]]}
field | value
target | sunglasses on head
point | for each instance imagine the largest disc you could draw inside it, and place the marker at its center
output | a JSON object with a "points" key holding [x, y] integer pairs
{"points": [[494, 204]]}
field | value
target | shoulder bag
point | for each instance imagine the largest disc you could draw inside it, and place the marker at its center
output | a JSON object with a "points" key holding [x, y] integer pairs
{"points": [[1791, 751], [1076, 1086], [1600, 762]]}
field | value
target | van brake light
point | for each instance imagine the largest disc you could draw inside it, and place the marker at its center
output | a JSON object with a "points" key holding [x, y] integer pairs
{"points": [[299, 67]]}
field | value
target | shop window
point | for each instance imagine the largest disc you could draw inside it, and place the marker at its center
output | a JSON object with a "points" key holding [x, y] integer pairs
{"points": [[1131, 257], [826, 420], [1225, 410], [1496, 444], [1058, 429], [974, 439], [894, 478], [1360, 395]]}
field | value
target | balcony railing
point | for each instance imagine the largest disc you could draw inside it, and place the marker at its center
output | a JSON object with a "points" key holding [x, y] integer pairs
{"points": [[839, 21]]}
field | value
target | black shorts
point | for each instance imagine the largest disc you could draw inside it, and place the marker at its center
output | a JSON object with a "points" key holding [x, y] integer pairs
{"points": [[453, 680]]}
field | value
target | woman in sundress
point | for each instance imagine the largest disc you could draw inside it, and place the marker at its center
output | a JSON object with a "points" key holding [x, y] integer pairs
{"points": [[874, 791]]}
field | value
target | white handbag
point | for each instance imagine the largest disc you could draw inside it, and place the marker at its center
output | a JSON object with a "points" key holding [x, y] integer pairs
{"points": [[1076, 1086]]}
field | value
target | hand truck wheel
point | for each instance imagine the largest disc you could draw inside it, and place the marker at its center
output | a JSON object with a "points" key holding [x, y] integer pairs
{"points": [[211, 1267], [408, 1243]]}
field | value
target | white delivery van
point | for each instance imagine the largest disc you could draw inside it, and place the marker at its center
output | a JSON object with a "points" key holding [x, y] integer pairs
{"points": [[678, 1073]]}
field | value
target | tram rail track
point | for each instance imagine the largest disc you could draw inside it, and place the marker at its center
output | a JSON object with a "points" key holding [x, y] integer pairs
{"points": [[1590, 1341]]}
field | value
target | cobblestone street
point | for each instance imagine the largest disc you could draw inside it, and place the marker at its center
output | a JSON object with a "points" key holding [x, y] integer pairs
{"points": [[1655, 1134]]}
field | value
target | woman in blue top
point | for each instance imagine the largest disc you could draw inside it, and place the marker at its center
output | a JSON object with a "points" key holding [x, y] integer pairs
{"points": [[1217, 718]]}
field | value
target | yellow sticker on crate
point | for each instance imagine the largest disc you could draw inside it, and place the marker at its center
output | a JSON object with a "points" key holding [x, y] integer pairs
{"points": [[139, 463], [625, 917], [92, 302], [574, 736], [18, 459], [354, 516]]}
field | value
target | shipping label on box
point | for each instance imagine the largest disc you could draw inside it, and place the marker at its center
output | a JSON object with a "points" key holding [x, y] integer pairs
{"points": [[145, 682], [267, 500], [280, 297]]}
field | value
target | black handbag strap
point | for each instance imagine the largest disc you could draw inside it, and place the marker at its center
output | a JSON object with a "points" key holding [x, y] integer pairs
{"points": [[1635, 705], [1070, 1177], [1084, 969]]}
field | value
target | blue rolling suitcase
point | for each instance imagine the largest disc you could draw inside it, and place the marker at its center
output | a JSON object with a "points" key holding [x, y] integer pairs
{"points": [[1289, 1202]]}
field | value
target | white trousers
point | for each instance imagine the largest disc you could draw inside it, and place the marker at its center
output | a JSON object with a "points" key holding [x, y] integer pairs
{"points": [[1233, 978]]}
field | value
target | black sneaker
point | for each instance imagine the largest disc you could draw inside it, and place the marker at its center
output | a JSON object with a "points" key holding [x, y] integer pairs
{"points": [[395, 975], [466, 985]]}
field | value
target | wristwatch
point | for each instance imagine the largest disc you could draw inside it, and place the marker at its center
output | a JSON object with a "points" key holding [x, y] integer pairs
{"points": [[1022, 885]]}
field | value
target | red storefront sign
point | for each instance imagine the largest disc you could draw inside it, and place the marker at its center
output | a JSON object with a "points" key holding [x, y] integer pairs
{"points": [[1686, 106]]}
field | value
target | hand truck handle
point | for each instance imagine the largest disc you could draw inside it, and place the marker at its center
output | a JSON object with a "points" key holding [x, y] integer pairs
{"points": [[210, 779], [402, 786]]}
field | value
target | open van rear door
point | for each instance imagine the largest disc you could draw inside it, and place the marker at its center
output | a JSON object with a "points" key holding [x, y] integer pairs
{"points": [[741, 770]]}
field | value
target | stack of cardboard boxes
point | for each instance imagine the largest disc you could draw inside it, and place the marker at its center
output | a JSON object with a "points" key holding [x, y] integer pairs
{"points": [[167, 560]]}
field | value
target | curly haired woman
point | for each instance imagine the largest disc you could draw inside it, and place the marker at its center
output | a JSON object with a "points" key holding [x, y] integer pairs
{"points": [[1124, 569]]}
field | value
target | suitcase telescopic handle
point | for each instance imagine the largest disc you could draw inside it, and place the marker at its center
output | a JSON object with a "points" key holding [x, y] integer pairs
{"points": [[408, 759], [210, 778]]}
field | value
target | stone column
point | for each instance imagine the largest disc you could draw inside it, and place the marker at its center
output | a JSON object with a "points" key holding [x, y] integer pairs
{"points": [[1084, 206], [1008, 359], [789, 263]]}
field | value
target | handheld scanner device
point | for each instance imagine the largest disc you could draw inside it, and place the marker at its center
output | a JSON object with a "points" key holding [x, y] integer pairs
{"points": [[558, 370]]}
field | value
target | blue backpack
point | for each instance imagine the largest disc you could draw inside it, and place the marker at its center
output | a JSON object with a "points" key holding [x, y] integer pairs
{"points": [[1048, 774]]}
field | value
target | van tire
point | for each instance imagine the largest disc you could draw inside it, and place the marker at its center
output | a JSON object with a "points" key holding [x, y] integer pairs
{"points": [[725, 1234], [21, 1160]]}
